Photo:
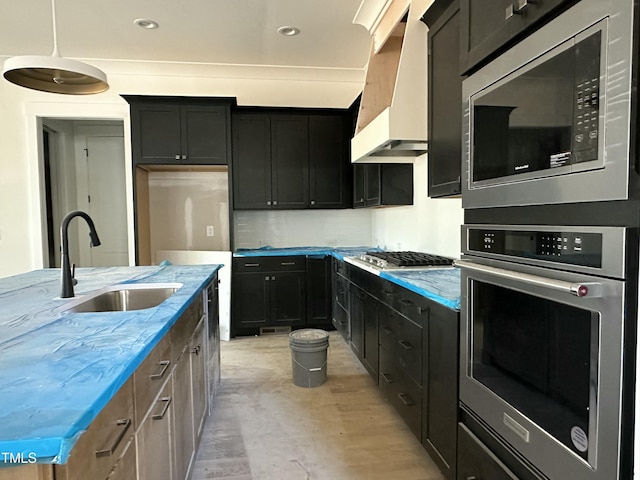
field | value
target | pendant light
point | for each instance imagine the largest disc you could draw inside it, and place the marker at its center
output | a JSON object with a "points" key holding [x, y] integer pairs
{"points": [[54, 74]]}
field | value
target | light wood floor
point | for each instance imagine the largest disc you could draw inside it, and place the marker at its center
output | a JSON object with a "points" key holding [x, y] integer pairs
{"points": [[264, 427]]}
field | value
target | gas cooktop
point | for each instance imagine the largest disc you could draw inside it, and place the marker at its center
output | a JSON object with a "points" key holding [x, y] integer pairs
{"points": [[389, 260]]}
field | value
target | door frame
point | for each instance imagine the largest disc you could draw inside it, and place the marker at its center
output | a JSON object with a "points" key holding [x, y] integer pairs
{"points": [[35, 112]]}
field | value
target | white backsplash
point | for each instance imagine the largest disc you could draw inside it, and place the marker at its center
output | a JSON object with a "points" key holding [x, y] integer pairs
{"points": [[295, 228]]}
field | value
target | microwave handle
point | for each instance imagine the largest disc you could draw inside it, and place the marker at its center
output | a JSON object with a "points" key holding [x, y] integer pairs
{"points": [[590, 289]]}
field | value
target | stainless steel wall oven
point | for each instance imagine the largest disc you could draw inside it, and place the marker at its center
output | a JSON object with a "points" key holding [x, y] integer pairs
{"points": [[542, 341], [549, 121]]}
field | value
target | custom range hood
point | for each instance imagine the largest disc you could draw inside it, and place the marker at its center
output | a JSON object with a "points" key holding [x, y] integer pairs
{"points": [[392, 119]]}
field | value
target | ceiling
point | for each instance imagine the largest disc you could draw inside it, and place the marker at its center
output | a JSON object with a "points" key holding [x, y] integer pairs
{"points": [[236, 32]]}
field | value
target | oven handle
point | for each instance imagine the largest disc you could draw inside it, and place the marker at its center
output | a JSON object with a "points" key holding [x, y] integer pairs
{"points": [[590, 289]]}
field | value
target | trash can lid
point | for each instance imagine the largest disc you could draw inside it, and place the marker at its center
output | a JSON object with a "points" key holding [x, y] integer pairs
{"points": [[308, 335]]}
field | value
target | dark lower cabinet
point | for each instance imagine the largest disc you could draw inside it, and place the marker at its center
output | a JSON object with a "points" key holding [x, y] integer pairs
{"points": [[267, 292], [409, 344], [319, 293]]}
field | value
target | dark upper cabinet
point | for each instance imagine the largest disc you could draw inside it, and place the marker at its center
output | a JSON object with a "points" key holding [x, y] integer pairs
{"points": [[444, 100], [290, 159], [182, 131], [379, 184], [251, 161], [330, 170], [488, 28]]}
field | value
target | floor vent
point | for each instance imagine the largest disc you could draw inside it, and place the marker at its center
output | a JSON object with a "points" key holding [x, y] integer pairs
{"points": [[274, 330]]}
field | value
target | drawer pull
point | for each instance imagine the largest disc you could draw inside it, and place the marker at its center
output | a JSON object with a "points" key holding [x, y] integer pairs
{"points": [[196, 349], [387, 330], [124, 424], [387, 377], [251, 265], [285, 264], [406, 399], [165, 366], [406, 345], [160, 416], [406, 302]]}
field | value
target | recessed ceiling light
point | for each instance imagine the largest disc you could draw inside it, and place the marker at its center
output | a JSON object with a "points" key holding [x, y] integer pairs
{"points": [[288, 31], [146, 23]]}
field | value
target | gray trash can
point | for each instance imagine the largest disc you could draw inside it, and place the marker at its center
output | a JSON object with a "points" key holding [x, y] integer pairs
{"points": [[309, 356]]}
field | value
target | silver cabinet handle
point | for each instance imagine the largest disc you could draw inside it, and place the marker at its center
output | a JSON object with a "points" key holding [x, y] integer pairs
{"points": [[196, 350], [387, 377], [591, 289], [387, 330], [123, 425], [406, 345], [160, 416], [268, 202], [275, 202], [177, 156], [184, 157], [273, 278], [313, 202], [406, 399], [267, 278], [251, 265], [284, 264], [164, 364]]}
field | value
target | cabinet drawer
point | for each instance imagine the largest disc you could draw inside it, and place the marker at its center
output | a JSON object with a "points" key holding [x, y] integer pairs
{"points": [[269, 264], [476, 461], [403, 340], [150, 376], [104, 442], [402, 392], [411, 305], [182, 330]]}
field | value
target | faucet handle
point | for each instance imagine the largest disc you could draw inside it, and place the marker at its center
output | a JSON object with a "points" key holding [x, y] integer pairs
{"points": [[73, 274]]}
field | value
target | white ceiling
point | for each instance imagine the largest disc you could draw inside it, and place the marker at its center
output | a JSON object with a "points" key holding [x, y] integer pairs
{"points": [[237, 32]]}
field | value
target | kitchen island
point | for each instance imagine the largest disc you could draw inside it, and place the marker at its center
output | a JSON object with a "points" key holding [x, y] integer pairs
{"points": [[59, 369]]}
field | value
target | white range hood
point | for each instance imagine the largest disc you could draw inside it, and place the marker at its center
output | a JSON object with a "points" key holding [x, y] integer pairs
{"points": [[392, 120]]}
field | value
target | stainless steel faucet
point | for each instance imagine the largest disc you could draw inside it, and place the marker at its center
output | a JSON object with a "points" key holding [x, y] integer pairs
{"points": [[67, 279]]}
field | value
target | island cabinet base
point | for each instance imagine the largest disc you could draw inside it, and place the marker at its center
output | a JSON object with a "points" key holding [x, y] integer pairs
{"points": [[150, 429]]}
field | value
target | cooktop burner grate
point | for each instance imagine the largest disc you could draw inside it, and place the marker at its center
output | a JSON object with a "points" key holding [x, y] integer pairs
{"points": [[412, 259]]}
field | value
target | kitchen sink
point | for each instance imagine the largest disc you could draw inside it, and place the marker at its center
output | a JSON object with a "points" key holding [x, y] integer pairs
{"points": [[123, 298]]}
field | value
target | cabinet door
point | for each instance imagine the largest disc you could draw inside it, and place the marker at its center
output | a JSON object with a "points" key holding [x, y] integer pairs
{"points": [[319, 292], [155, 133], [370, 342], [329, 165], [372, 185], [475, 460], [183, 442], [204, 135], [250, 300], [356, 319], [442, 378], [125, 469], [359, 172], [445, 105], [198, 378], [288, 293], [290, 161], [251, 161], [488, 27], [153, 440]]}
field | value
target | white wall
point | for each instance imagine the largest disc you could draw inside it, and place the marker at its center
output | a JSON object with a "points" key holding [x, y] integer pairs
{"points": [[22, 242], [429, 225]]}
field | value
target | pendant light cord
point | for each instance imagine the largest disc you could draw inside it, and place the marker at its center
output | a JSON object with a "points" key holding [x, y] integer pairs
{"points": [[55, 52]]}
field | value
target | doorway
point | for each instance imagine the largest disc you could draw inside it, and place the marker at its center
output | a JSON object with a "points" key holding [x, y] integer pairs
{"points": [[85, 170]]}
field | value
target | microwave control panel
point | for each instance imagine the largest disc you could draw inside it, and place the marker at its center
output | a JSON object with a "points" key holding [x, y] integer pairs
{"points": [[574, 248]]}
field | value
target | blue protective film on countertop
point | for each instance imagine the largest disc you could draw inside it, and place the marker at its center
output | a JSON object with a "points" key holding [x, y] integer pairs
{"points": [[59, 369], [442, 286], [318, 251]]}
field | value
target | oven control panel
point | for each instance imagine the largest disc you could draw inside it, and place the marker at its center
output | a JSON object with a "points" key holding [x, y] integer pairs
{"points": [[577, 248]]}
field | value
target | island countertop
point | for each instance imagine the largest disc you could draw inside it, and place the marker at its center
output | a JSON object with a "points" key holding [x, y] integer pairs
{"points": [[59, 369]]}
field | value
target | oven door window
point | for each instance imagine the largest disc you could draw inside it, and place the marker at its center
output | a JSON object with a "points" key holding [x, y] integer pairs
{"points": [[540, 119], [538, 355]]}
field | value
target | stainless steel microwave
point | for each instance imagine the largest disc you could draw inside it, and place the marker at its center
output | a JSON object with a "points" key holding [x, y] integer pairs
{"points": [[549, 121]]}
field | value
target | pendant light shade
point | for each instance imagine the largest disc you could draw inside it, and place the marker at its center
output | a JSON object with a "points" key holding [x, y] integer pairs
{"points": [[54, 73]]}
